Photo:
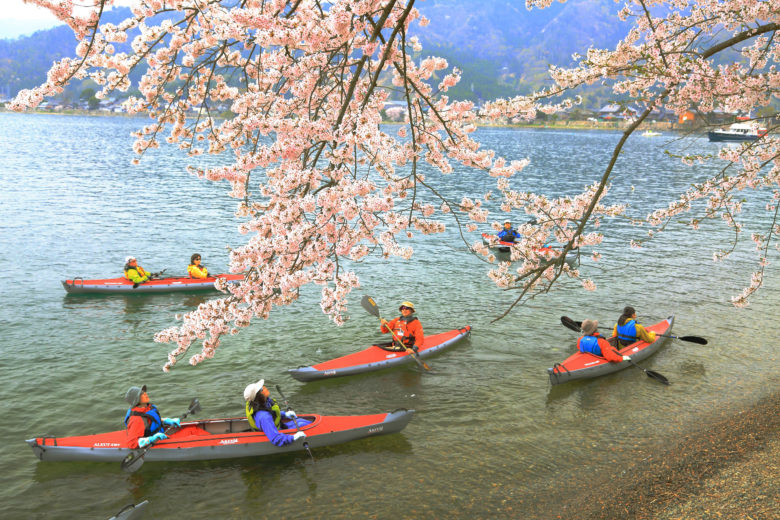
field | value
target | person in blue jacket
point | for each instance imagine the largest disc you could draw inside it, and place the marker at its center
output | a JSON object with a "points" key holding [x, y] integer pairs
{"points": [[264, 414], [591, 342], [508, 234]]}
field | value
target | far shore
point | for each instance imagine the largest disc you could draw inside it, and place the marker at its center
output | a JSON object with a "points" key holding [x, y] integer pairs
{"points": [[660, 126]]}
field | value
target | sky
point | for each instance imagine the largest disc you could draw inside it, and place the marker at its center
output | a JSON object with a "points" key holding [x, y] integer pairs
{"points": [[20, 19]]}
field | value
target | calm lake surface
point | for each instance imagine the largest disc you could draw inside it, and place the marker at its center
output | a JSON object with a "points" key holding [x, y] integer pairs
{"points": [[491, 438]]}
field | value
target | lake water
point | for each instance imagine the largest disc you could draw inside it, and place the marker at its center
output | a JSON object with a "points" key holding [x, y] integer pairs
{"points": [[491, 438]]}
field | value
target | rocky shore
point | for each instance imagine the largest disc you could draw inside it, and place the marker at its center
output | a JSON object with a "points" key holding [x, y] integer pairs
{"points": [[728, 469]]}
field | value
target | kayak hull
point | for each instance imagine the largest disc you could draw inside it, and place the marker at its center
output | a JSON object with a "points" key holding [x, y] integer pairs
{"points": [[377, 358], [219, 439], [585, 366], [161, 285], [506, 247]]}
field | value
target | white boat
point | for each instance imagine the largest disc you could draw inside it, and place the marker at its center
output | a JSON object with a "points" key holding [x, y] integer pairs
{"points": [[738, 132], [650, 133]]}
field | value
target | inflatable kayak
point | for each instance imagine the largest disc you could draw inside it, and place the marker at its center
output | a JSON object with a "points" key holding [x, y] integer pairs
{"points": [[505, 247], [582, 365], [123, 285], [376, 357], [219, 439]]}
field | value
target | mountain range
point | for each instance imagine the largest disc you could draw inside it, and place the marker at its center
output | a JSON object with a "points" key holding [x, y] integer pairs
{"points": [[502, 48]]}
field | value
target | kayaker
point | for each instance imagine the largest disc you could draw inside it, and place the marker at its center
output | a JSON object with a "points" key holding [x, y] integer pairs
{"points": [[195, 270], [144, 424], [134, 272], [508, 234], [592, 342], [264, 414], [407, 328], [628, 330]]}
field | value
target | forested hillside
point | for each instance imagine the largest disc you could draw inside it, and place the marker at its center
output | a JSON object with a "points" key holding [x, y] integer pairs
{"points": [[502, 48]]}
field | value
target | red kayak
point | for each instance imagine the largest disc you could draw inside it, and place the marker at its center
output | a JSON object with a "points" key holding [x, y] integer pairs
{"points": [[493, 242], [219, 439], [376, 357], [582, 365], [123, 285]]}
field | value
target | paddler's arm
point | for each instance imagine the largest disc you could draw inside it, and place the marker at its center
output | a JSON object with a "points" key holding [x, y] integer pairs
{"points": [[266, 422], [645, 335]]}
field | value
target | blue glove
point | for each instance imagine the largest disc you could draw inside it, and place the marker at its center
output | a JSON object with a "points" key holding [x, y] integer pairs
{"points": [[171, 422], [143, 442]]}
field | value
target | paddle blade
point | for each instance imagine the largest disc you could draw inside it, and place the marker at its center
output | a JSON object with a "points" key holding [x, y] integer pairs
{"points": [[133, 461], [194, 407], [370, 305], [570, 323], [658, 377], [694, 339]]}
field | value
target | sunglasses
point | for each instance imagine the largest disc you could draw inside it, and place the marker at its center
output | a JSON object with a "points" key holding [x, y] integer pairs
{"points": [[404, 307]]}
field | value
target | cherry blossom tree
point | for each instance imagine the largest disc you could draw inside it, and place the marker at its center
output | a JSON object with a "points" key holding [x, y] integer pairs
{"points": [[320, 184]]}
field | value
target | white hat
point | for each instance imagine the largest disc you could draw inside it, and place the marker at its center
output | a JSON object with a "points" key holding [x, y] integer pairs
{"points": [[251, 390], [507, 222], [127, 260]]}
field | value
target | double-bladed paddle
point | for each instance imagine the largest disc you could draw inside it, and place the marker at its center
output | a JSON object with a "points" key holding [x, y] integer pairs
{"points": [[370, 305], [692, 339], [573, 325], [295, 421], [135, 458]]}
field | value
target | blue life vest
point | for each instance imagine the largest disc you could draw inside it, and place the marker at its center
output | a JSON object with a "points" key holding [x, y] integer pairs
{"points": [[151, 418], [590, 345], [508, 235], [627, 332]]}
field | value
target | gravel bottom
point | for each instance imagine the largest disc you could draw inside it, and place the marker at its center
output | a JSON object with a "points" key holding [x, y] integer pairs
{"points": [[728, 469]]}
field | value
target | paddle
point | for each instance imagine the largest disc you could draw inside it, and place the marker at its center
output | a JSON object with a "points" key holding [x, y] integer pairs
{"points": [[571, 324], [287, 406], [135, 459], [370, 305], [692, 339]]}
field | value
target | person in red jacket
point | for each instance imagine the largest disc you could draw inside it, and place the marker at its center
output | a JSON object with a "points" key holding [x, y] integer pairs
{"points": [[593, 343], [143, 421], [406, 328]]}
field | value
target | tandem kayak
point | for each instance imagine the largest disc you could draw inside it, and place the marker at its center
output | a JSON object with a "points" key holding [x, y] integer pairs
{"points": [[546, 252], [582, 365], [123, 285], [376, 357], [219, 439]]}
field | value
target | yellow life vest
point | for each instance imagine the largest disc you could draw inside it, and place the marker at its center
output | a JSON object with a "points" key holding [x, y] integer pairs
{"points": [[276, 412]]}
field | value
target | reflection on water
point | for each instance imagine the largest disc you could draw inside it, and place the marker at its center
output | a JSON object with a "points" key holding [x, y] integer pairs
{"points": [[490, 437]]}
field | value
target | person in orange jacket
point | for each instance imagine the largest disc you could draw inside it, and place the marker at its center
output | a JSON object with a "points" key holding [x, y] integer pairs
{"points": [[195, 270], [593, 343], [406, 328], [143, 421]]}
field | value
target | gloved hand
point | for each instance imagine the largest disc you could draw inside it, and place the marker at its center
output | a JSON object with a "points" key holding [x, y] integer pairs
{"points": [[148, 441], [289, 414], [171, 422], [626, 358], [299, 435]]}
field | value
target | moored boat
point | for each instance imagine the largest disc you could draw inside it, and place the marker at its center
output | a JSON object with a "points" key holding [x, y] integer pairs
{"points": [[219, 439], [377, 357], [493, 242], [737, 132], [582, 365], [123, 285]]}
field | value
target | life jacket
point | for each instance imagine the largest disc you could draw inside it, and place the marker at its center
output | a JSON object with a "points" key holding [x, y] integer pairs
{"points": [[627, 332], [151, 418], [270, 406], [590, 345], [193, 269], [138, 269], [401, 330], [507, 235]]}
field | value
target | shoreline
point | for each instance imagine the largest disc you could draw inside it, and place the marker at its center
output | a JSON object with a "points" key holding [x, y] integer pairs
{"points": [[727, 468]]}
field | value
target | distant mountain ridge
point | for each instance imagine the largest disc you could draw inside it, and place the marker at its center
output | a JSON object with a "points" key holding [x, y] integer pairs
{"points": [[502, 48]]}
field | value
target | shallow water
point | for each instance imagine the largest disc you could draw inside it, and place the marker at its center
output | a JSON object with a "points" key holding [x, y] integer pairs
{"points": [[491, 437]]}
